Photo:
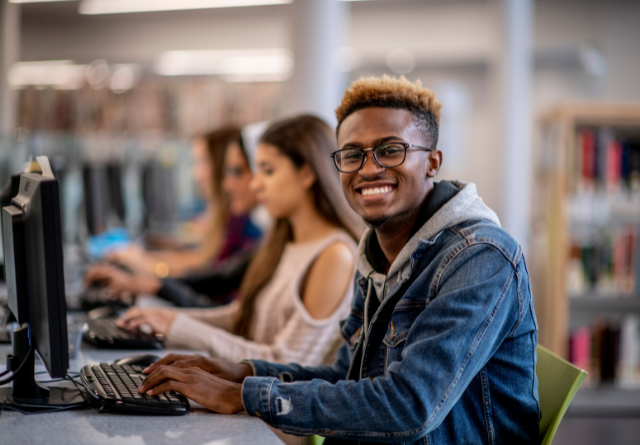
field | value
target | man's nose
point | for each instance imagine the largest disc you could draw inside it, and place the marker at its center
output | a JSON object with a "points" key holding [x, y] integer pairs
{"points": [[370, 167]]}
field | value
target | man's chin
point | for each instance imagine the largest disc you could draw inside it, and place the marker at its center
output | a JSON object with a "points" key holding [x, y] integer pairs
{"points": [[377, 222]]}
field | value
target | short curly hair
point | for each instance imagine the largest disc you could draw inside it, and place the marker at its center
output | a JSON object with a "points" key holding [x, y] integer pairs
{"points": [[393, 92]]}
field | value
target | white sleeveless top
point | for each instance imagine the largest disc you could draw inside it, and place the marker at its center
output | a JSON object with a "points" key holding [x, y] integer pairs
{"points": [[282, 330]]}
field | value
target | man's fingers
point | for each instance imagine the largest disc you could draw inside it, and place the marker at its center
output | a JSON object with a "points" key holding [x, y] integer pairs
{"points": [[167, 386], [186, 363], [167, 360], [161, 374]]}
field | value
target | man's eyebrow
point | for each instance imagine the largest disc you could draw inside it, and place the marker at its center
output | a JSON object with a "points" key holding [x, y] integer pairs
{"points": [[376, 142]]}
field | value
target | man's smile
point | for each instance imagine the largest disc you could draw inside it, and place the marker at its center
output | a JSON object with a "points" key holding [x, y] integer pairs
{"points": [[375, 190]]}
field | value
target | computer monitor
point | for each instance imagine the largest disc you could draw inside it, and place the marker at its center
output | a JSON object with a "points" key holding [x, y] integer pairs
{"points": [[35, 286], [158, 193], [7, 193], [103, 198]]}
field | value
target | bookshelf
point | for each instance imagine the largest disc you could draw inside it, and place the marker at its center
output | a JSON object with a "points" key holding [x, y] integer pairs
{"points": [[586, 246]]}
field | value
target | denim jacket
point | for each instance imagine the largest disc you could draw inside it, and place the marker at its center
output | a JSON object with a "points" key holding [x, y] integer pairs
{"points": [[445, 355]]}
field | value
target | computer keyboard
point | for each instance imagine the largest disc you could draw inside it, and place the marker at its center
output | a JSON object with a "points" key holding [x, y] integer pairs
{"points": [[104, 333], [116, 387]]}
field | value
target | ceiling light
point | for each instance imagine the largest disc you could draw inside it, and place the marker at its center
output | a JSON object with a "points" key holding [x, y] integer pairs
{"points": [[36, 1], [246, 65], [125, 6], [59, 74]]}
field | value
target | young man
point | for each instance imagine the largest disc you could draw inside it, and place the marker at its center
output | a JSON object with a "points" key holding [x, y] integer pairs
{"points": [[440, 343]]}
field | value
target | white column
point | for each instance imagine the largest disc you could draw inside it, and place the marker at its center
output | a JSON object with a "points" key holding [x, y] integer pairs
{"points": [[319, 28], [517, 118], [9, 54]]}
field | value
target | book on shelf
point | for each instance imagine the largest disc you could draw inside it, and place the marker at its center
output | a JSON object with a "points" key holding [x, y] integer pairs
{"points": [[609, 350], [603, 158], [604, 213], [606, 265]]}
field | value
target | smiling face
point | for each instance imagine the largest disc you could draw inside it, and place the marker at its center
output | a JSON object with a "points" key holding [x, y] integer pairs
{"points": [[278, 184], [387, 197]]}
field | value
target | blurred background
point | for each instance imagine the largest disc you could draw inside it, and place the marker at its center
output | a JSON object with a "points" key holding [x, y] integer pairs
{"points": [[541, 109]]}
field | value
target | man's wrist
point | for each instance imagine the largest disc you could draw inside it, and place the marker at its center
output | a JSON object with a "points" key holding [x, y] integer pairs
{"points": [[251, 372], [235, 398], [244, 370]]}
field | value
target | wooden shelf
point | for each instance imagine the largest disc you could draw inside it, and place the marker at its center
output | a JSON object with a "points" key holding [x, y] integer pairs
{"points": [[555, 138]]}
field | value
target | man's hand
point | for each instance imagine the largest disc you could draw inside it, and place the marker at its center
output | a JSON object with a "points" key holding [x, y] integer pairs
{"points": [[212, 392], [160, 319], [232, 372]]}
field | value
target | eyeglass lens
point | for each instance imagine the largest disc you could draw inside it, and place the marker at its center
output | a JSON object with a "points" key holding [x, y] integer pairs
{"points": [[389, 155]]}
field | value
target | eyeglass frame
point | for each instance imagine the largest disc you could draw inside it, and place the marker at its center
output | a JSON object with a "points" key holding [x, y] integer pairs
{"points": [[406, 146]]}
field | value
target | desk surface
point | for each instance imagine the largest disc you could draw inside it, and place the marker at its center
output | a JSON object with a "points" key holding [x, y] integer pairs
{"points": [[199, 427]]}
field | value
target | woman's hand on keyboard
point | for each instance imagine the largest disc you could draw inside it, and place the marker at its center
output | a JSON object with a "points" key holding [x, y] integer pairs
{"points": [[120, 282], [208, 390], [233, 372], [160, 319]]}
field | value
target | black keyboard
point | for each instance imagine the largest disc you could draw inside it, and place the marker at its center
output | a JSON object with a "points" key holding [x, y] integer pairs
{"points": [[116, 388], [103, 333]]}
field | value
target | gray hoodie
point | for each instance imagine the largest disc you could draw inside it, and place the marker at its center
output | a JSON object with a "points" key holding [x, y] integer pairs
{"points": [[466, 205]]}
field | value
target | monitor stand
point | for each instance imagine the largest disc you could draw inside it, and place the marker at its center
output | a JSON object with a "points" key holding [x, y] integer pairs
{"points": [[27, 394]]}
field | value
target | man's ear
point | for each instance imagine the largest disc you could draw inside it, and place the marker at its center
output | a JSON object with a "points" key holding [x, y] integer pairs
{"points": [[434, 158], [307, 177]]}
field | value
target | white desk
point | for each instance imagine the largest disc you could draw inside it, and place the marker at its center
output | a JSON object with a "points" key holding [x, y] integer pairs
{"points": [[199, 427]]}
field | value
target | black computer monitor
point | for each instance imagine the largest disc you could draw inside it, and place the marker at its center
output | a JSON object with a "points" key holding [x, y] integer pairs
{"points": [[158, 194], [103, 197], [7, 193], [32, 239]]}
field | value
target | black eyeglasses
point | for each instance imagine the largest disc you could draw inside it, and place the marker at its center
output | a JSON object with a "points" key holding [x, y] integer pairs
{"points": [[349, 160]]}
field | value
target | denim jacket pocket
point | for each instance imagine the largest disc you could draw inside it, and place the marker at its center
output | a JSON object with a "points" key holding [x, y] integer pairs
{"points": [[398, 330]]}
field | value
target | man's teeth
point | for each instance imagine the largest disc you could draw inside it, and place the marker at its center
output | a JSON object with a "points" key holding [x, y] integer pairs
{"points": [[377, 190]]}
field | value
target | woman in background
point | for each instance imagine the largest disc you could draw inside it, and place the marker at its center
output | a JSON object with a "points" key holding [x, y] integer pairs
{"points": [[298, 286], [230, 205]]}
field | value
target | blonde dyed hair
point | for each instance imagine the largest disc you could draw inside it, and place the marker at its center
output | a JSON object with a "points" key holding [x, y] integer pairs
{"points": [[393, 92]]}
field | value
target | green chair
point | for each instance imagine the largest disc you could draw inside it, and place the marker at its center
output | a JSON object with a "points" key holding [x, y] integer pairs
{"points": [[558, 383]]}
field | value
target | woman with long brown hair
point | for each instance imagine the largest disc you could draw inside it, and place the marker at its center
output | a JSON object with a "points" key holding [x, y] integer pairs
{"points": [[223, 174], [299, 284], [209, 152]]}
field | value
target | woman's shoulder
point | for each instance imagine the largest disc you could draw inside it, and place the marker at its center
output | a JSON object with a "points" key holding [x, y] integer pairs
{"points": [[320, 244], [337, 253]]}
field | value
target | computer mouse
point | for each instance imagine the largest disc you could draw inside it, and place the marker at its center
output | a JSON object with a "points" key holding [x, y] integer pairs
{"points": [[141, 360]]}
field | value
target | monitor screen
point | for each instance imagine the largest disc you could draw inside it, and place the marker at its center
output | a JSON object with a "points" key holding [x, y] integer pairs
{"points": [[37, 208]]}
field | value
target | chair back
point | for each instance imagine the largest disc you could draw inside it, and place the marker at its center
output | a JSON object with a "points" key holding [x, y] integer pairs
{"points": [[558, 383]]}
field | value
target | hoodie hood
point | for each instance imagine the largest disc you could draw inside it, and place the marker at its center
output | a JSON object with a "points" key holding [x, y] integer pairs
{"points": [[466, 205]]}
